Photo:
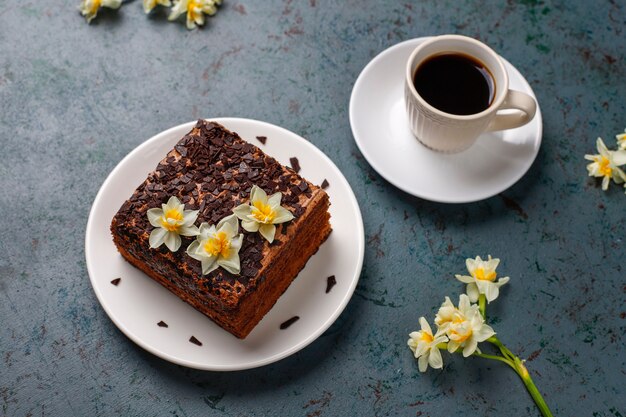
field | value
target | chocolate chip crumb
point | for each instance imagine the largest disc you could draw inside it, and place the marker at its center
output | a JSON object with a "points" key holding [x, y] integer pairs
{"points": [[116, 281], [330, 283], [289, 322], [195, 341], [325, 184], [162, 324], [295, 164], [262, 139]]}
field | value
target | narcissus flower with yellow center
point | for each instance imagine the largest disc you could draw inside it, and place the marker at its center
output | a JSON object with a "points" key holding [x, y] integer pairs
{"points": [[263, 213], [218, 246], [464, 326], [195, 9], [482, 278], [423, 344], [89, 8], [606, 165], [171, 222]]}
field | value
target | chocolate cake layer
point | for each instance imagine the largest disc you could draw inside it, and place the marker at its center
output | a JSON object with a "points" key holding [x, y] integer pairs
{"points": [[213, 170]]}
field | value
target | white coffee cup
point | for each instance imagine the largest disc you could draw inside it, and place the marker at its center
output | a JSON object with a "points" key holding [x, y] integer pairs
{"points": [[450, 133]]}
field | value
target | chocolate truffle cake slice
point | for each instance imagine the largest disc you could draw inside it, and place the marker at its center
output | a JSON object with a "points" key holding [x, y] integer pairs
{"points": [[212, 170]]}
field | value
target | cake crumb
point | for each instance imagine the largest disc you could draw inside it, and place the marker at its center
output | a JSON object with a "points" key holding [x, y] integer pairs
{"points": [[195, 341], [331, 281], [295, 164], [289, 322], [116, 281], [262, 139], [162, 324], [325, 184]]}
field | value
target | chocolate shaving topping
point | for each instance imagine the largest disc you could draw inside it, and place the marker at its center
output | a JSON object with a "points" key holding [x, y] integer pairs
{"points": [[294, 164], [195, 341], [289, 322], [331, 281], [116, 281], [262, 139], [249, 272], [162, 324], [325, 184]]}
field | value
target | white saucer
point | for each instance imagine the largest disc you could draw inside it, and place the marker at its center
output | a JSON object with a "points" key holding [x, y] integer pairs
{"points": [[381, 130], [138, 303]]}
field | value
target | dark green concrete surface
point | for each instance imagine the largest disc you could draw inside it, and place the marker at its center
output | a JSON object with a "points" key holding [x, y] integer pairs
{"points": [[76, 98]]}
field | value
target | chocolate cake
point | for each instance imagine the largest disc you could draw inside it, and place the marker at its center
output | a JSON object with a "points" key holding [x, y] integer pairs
{"points": [[211, 170]]}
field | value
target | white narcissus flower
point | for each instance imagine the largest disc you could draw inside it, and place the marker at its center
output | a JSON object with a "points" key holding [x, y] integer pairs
{"points": [[464, 326], [446, 314], [148, 5], [606, 164], [482, 279], [89, 8], [195, 9], [218, 246], [621, 141], [262, 213], [170, 222], [423, 344]]}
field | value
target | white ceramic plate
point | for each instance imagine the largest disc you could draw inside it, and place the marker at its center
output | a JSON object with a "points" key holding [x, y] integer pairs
{"points": [[138, 303], [381, 130]]}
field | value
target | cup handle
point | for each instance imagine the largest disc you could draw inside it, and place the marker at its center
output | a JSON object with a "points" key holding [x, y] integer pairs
{"points": [[524, 106]]}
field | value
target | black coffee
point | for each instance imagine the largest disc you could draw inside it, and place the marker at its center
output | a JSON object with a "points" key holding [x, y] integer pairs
{"points": [[455, 83]]}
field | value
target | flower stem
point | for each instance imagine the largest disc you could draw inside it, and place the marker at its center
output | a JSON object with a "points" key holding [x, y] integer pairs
{"points": [[532, 388], [496, 358], [518, 366], [482, 305], [503, 349]]}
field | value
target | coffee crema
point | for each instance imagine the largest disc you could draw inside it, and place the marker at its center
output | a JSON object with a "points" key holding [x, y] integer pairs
{"points": [[455, 83]]}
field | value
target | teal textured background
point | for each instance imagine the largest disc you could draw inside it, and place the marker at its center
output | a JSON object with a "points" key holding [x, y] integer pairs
{"points": [[76, 98]]}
